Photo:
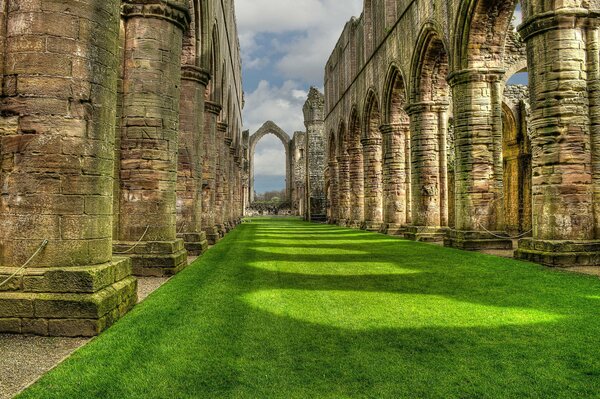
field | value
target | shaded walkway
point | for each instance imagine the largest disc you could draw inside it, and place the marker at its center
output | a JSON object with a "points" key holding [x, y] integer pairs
{"points": [[285, 309]]}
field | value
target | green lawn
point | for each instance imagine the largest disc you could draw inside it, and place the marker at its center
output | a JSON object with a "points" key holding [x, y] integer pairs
{"points": [[285, 309]]}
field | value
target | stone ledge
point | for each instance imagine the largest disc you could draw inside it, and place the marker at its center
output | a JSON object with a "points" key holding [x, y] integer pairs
{"points": [[84, 279], [146, 247], [564, 254], [425, 234], [374, 227], [469, 240], [195, 243], [68, 315], [393, 229]]}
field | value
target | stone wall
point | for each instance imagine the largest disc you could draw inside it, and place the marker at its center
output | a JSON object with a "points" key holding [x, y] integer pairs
{"points": [[436, 70], [102, 150]]}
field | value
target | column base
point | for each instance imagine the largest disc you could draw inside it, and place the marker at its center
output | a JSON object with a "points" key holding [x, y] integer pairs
{"points": [[562, 254], [195, 243], [154, 258], [374, 227], [67, 302], [343, 223], [477, 240], [212, 235], [355, 224], [425, 233], [393, 229]]}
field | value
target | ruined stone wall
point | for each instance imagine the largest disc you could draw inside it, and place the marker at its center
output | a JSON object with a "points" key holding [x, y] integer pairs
{"points": [[298, 153], [102, 150], [316, 144], [437, 69]]}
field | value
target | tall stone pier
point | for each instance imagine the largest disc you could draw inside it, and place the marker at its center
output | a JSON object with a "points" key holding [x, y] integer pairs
{"points": [[57, 128]]}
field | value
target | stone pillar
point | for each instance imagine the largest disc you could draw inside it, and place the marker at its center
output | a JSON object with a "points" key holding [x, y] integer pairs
{"points": [[57, 132], [334, 187], [211, 112], [220, 177], [343, 190], [408, 171], [373, 188], [427, 165], [189, 173], [357, 184], [149, 137], [477, 98], [394, 177], [564, 232]]}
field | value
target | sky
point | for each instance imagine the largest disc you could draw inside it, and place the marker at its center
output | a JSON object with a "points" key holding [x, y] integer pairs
{"points": [[285, 45]]}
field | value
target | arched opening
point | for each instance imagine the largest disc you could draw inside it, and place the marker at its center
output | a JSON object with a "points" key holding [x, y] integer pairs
{"points": [[429, 128], [489, 52], [396, 155], [343, 176], [331, 180], [355, 153], [373, 164], [270, 171]]}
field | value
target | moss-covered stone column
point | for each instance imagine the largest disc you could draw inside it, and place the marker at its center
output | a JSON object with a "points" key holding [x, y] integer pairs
{"points": [[428, 184], [343, 190], [222, 150], [149, 136], [211, 112], [394, 177], [189, 173], [357, 184], [477, 98], [334, 190], [564, 231], [57, 132], [373, 175]]}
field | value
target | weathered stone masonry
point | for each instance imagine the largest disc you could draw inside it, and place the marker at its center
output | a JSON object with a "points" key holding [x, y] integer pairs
{"points": [[483, 161], [102, 144]]}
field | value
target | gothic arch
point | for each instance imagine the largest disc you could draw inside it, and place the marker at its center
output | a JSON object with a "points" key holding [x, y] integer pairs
{"points": [[270, 127], [430, 66], [371, 116], [480, 33], [395, 97]]}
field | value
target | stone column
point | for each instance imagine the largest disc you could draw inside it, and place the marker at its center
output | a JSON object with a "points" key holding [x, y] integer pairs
{"points": [[477, 98], [427, 166], [373, 175], [343, 190], [211, 112], [220, 177], [189, 173], [357, 184], [564, 223], [333, 185], [394, 177], [227, 185], [57, 132], [149, 137]]}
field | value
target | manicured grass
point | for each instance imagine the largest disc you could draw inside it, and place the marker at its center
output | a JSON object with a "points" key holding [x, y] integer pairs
{"points": [[285, 309]]}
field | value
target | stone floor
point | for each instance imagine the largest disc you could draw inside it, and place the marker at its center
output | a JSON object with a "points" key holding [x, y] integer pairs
{"points": [[24, 359]]}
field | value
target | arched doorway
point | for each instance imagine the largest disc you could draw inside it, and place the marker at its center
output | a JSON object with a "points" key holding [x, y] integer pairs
{"points": [[270, 128]]}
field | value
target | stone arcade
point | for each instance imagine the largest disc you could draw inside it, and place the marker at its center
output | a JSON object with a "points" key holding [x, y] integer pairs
{"points": [[120, 134], [427, 140]]}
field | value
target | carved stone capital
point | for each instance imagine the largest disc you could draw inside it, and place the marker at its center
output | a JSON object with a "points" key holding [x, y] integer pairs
{"points": [[222, 128], [427, 106], [195, 74], [168, 10], [212, 107], [566, 18], [465, 76]]}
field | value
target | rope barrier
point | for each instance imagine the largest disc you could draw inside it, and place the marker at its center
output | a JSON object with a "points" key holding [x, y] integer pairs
{"points": [[136, 244], [42, 246]]}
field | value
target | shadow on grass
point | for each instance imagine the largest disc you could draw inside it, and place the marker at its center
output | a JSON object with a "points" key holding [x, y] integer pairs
{"points": [[248, 320]]}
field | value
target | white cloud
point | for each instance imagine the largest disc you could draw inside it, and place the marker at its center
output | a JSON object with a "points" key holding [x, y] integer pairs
{"points": [[319, 23], [282, 105], [269, 159]]}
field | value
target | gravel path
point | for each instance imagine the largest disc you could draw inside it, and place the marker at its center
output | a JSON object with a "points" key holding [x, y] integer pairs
{"points": [[24, 359]]}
